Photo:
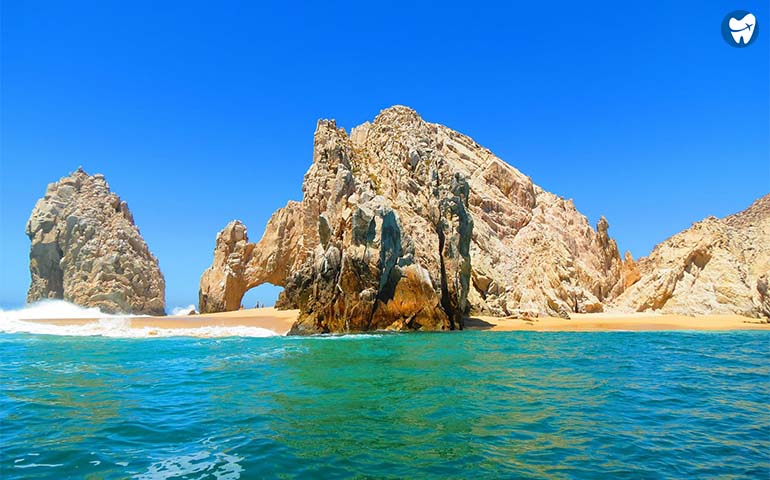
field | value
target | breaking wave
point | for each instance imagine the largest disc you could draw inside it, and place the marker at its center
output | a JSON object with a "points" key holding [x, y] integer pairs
{"points": [[54, 310], [44, 318], [183, 310]]}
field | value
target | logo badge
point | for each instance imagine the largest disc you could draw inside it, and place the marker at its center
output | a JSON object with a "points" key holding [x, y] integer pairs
{"points": [[739, 28]]}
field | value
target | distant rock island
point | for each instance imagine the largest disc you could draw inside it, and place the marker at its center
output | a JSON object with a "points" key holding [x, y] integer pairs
{"points": [[86, 250]]}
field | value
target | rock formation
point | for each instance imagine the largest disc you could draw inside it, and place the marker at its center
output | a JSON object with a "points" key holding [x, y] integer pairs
{"points": [[390, 219], [717, 266], [629, 271], [87, 250], [349, 258]]}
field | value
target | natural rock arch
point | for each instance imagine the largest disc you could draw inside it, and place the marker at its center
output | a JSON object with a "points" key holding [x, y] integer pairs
{"points": [[239, 265]]}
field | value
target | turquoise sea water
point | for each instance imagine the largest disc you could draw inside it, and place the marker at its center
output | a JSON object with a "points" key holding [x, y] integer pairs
{"points": [[461, 405]]}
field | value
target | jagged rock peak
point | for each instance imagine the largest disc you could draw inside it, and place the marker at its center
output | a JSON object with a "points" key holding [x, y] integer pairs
{"points": [[86, 249], [398, 115], [757, 213], [717, 266]]}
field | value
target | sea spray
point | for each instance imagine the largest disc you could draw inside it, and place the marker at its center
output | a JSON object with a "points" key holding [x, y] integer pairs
{"points": [[36, 319], [53, 310]]}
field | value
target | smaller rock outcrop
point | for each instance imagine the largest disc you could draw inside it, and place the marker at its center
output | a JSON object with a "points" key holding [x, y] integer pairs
{"points": [[86, 250], [629, 271], [717, 266], [225, 286]]}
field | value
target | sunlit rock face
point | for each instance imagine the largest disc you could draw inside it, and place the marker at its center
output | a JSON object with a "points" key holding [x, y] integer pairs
{"points": [[86, 250], [717, 266], [355, 254], [406, 224]]}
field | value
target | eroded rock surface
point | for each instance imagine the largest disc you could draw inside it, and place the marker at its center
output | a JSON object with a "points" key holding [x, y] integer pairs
{"points": [[717, 266], [86, 250], [351, 258], [392, 216]]}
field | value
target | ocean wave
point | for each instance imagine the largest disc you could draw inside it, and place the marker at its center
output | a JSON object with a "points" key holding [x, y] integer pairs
{"points": [[183, 310], [55, 310], [36, 319], [121, 328]]}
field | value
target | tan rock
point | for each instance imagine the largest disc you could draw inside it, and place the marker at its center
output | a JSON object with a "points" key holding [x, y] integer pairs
{"points": [[630, 272], [717, 266], [390, 219], [86, 250], [532, 252]]}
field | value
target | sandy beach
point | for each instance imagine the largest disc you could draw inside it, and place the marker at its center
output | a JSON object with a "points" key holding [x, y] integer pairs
{"points": [[280, 322], [598, 322]]}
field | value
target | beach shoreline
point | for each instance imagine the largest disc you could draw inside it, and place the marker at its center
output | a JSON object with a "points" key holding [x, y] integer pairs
{"points": [[281, 321], [277, 321], [604, 322]]}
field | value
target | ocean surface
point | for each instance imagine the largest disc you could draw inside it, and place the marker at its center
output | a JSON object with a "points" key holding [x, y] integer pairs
{"points": [[454, 405]]}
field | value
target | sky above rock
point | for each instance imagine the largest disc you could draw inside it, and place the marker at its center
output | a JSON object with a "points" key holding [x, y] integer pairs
{"points": [[199, 113]]}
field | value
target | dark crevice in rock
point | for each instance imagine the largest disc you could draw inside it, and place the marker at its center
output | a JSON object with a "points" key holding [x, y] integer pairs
{"points": [[446, 303]]}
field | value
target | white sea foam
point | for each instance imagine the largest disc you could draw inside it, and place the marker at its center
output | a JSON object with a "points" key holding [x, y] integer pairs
{"points": [[221, 465], [38, 465], [103, 324], [120, 328], [183, 310], [350, 336], [54, 310]]}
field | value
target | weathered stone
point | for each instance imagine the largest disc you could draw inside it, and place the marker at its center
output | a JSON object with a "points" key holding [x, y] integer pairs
{"points": [[86, 250], [407, 204], [717, 266], [630, 271], [402, 264], [532, 252], [763, 289]]}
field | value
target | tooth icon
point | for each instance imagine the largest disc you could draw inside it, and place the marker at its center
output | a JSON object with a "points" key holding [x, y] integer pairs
{"points": [[742, 29]]}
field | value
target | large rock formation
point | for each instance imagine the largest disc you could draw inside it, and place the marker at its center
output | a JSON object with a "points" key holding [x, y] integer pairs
{"points": [[87, 250], [391, 217], [717, 266], [351, 258]]}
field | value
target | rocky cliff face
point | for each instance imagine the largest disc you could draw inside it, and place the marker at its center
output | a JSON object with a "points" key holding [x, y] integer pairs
{"points": [[391, 218], [351, 256], [87, 250], [532, 252], [717, 266]]}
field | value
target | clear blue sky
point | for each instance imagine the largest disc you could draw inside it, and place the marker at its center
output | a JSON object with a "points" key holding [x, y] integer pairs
{"points": [[202, 112]]}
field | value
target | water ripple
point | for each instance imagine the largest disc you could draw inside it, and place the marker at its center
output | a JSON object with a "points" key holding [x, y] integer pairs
{"points": [[475, 404]]}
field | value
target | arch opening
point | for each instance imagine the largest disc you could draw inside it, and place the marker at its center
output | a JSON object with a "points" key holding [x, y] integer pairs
{"points": [[263, 295]]}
